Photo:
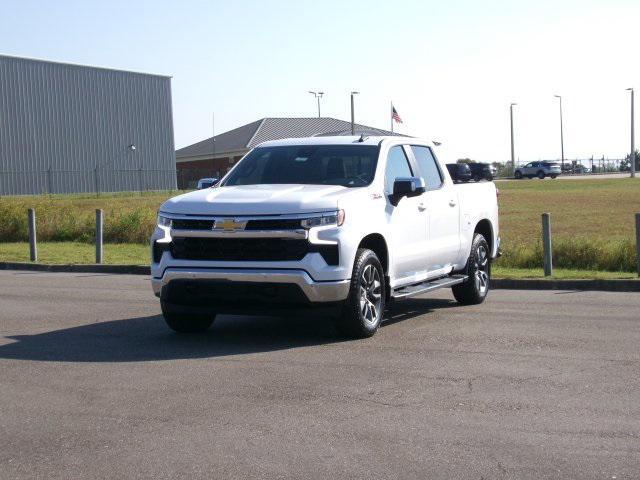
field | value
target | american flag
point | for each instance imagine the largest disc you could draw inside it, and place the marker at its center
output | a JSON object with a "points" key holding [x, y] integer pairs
{"points": [[394, 115]]}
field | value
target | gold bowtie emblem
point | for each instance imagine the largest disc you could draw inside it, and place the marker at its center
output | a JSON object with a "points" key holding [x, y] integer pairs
{"points": [[228, 224]]}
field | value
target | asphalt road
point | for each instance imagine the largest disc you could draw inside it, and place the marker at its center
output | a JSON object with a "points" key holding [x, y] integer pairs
{"points": [[532, 384]]}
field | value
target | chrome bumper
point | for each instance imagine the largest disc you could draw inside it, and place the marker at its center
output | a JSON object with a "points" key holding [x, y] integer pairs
{"points": [[315, 292]]}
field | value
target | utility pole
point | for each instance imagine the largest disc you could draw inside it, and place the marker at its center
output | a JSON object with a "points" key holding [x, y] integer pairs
{"points": [[633, 147], [353, 123], [513, 157], [318, 96], [559, 97]]}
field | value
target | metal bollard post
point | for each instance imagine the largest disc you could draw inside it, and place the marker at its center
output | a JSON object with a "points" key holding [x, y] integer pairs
{"points": [[33, 249], [99, 246], [638, 243], [546, 244]]}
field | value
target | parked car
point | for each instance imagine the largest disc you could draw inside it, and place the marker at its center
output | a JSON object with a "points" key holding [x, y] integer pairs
{"points": [[481, 171], [341, 224], [206, 183], [575, 168], [460, 172], [538, 169]]}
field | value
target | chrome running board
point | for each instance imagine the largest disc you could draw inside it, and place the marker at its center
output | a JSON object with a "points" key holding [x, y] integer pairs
{"points": [[418, 288]]}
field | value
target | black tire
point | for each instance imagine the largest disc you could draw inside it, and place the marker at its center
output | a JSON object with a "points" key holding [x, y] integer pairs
{"points": [[477, 178], [185, 323], [518, 175], [364, 307], [475, 289], [541, 175], [554, 176]]}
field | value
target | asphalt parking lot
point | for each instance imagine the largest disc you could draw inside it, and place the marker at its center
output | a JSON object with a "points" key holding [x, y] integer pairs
{"points": [[532, 384]]}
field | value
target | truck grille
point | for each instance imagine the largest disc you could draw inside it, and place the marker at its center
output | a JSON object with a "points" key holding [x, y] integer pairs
{"points": [[267, 224], [239, 249]]}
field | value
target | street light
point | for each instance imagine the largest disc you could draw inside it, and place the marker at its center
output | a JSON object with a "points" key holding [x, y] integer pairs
{"points": [[318, 96], [513, 158], [353, 124], [559, 97], [633, 147]]}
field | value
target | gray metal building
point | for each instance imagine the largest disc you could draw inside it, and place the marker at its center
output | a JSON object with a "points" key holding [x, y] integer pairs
{"points": [[69, 128]]}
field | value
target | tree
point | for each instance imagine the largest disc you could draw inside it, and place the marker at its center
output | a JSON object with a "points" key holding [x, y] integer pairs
{"points": [[625, 165], [466, 160]]}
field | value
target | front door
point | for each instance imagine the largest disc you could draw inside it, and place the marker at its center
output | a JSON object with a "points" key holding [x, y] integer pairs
{"points": [[407, 221]]}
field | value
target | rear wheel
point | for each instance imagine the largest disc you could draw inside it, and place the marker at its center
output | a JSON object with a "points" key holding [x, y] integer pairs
{"points": [[518, 174], [477, 178], [362, 313], [475, 289], [541, 175], [185, 323], [554, 176]]}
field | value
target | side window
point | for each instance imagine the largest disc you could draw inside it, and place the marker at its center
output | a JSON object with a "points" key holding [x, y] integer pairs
{"points": [[428, 166], [397, 166]]}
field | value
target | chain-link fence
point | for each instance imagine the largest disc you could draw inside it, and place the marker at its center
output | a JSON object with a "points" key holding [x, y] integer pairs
{"points": [[49, 182], [585, 166]]}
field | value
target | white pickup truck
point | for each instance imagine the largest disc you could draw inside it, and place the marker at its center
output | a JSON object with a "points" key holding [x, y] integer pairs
{"points": [[345, 224]]}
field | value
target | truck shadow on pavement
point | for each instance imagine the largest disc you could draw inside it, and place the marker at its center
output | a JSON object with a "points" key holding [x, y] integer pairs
{"points": [[149, 339]]}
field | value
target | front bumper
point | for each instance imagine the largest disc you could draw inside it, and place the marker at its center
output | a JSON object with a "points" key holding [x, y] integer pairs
{"points": [[313, 291]]}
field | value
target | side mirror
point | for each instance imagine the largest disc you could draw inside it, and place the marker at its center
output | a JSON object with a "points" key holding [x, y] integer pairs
{"points": [[407, 187]]}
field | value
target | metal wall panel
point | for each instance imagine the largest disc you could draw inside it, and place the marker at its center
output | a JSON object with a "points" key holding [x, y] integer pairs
{"points": [[68, 128]]}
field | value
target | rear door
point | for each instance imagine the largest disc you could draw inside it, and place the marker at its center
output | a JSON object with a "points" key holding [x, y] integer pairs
{"points": [[442, 209]]}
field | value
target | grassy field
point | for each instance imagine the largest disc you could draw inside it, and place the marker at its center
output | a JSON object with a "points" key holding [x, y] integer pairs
{"points": [[58, 253], [592, 224]]}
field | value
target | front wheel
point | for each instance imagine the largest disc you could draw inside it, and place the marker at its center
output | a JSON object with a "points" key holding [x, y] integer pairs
{"points": [[475, 289], [362, 313], [182, 322], [541, 175], [554, 176]]}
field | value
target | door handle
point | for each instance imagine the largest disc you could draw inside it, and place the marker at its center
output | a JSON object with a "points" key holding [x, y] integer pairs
{"points": [[422, 207], [452, 203]]}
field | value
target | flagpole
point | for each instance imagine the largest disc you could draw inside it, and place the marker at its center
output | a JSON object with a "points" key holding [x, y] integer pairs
{"points": [[391, 112]]}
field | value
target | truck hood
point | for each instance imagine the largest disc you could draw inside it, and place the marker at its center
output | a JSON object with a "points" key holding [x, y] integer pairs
{"points": [[256, 200]]}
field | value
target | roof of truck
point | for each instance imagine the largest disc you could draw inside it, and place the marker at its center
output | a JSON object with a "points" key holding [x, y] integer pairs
{"points": [[334, 140]]}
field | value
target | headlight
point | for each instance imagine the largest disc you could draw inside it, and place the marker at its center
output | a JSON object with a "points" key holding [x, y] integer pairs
{"points": [[164, 221], [325, 219]]}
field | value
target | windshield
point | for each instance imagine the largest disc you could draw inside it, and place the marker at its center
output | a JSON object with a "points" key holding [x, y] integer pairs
{"points": [[346, 165]]}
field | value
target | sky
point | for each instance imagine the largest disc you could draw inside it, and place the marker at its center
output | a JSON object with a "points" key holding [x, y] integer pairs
{"points": [[451, 67]]}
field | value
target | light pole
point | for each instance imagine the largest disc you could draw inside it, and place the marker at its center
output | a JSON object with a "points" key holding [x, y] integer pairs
{"points": [[513, 158], [559, 97], [318, 96], [353, 124], [633, 147]]}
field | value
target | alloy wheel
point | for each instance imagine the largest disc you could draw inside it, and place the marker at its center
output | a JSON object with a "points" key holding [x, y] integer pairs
{"points": [[370, 294], [481, 274]]}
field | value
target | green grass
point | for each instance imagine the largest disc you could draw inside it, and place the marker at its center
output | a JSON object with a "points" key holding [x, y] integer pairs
{"points": [[57, 253], [558, 274], [128, 218], [592, 221]]}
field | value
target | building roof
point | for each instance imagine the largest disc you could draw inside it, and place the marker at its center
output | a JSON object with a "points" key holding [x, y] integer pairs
{"points": [[77, 65], [248, 136]]}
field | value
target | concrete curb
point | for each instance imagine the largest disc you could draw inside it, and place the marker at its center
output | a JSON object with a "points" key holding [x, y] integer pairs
{"points": [[589, 285], [90, 268], [497, 283]]}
